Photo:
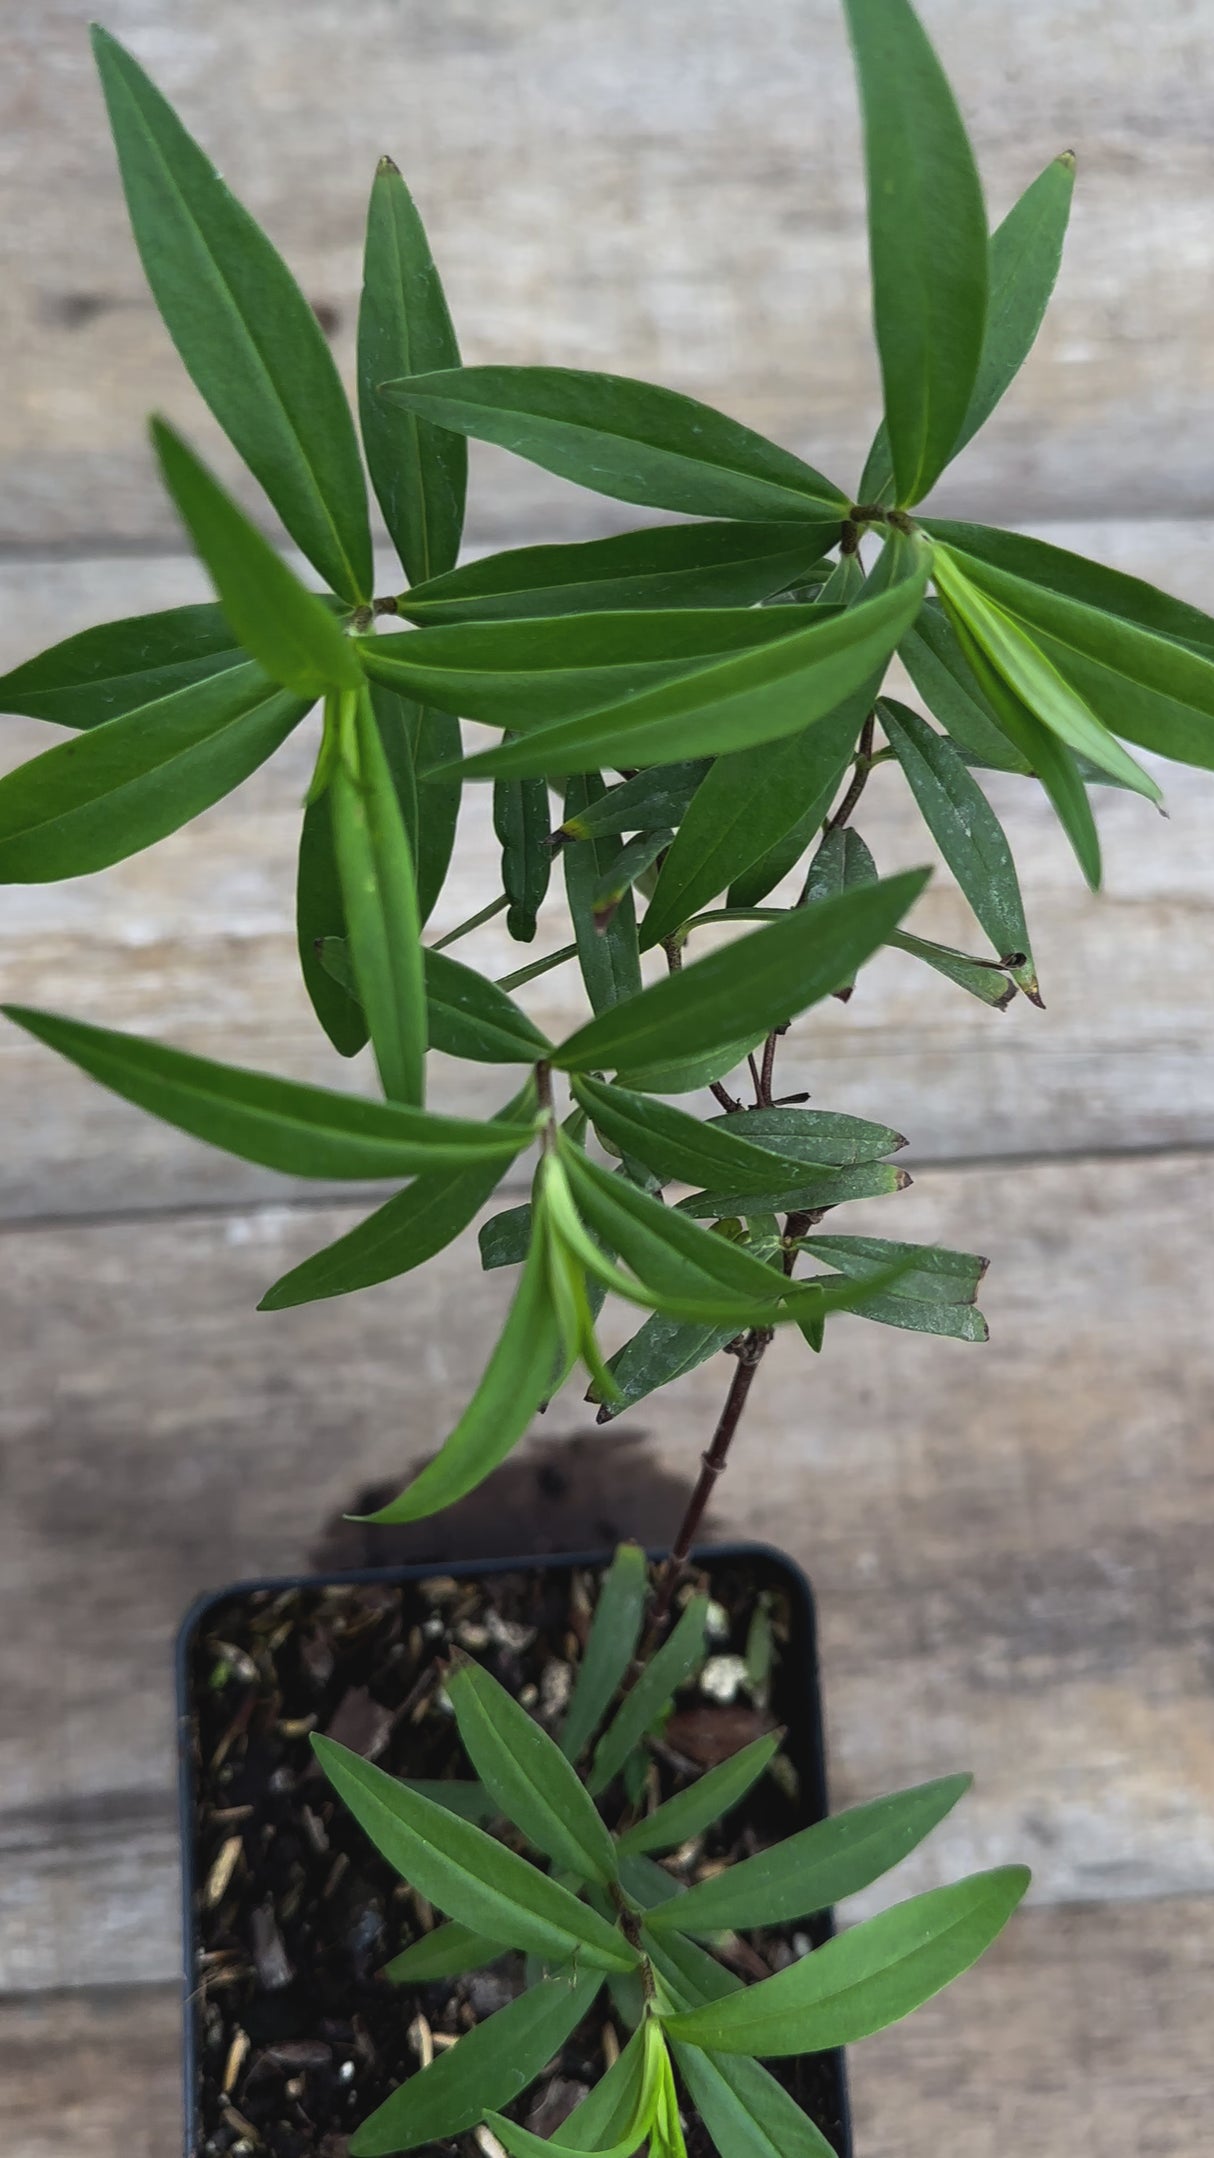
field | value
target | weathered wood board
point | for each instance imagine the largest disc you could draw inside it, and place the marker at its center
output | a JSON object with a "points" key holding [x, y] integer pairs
{"points": [[673, 192]]}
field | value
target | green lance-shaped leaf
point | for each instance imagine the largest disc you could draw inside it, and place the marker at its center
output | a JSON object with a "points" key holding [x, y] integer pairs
{"points": [[927, 240], [668, 1669], [751, 697], [1145, 685], [864, 1979], [419, 472], [288, 629], [935, 1297], [320, 916], [745, 2110], [379, 899], [842, 863], [752, 886], [505, 1238], [127, 782], [749, 801], [469, 1800], [610, 1647], [761, 981], [301, 1130], [471, 1016], [815, 1135], [520, 820], [708, 1800], [478, 1880], [801, 1188], [103, 673], [690, 565], [632, 440], [661, 1350], [673, 1144], [519, 2142], [968, 834], [617, 2100], [1090, 584], [435, 737], [814, 1868], [649, 802], [937, 666], [609, 958], [1012, 650], [981, 978], [628, 868], [247, 335], [492, 2065], [517, 1378], [529, 1776], [446, 1953], [686, 1075]]}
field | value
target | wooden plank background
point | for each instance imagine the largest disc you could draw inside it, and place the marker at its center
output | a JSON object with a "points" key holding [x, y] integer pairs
{"points": [[1011, 1546]]}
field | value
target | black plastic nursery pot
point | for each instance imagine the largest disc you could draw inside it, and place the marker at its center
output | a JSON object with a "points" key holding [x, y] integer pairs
{"points": [[291, 2037]]}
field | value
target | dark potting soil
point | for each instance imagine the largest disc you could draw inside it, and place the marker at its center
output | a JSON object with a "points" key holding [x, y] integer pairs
{"points": [[297, 2038]]}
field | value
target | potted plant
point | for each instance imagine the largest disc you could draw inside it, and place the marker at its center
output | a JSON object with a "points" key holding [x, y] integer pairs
{"points": [[709, 698]]}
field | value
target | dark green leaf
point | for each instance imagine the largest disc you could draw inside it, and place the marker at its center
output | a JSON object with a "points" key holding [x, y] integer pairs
{"points": [[661, 1350], [455, 1865], [744, 2109], [470, 1801], [320, 917], [686, 1075], [697, 565], [288, 629], [1090, 584], [761, 981], [247, 335], [935, 1297], [493, 2063], [379, 900], [673, 1144], [505, 1238], [127, 782], [927, 240], [944, 679], [436, 747], [530, 1777], [395, 719], [301, 1130], [816, 1135], [471, 1016], [864, 1979], [841, 864], [446, 1953], [609, 959], [978, 976], [610, 1647], [1025, 257], [419, 472], [799, 1191], [614, 2101], [650, 1695], [103, 673], [706, 1801], [627, 869], [647, 803], [520, 820], [632, 440]]}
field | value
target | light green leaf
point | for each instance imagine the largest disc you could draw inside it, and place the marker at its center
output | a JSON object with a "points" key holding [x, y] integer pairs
{"points": [[520, 2143], [927, 240], [864, 1979], [127, 782], [492, 2065], [615, 2101], [814, 1868], [661, 1350], [529, 1776], [289, 630], [1089, 584], [301, 1130], [610, 1647], [761, 981], [446, 1953], [706, 1801], [379, 900], [480, 1881], [650, 802], [632, 440], [609, 959], [667, 1669], [937, 666], [673, 1144], [419, 472], [520, 820], [980, 977], [248, 337], [517, 1378], [104, 673]]}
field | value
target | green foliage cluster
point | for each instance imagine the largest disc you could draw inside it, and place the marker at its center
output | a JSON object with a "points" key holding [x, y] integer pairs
{"points": [[707, 699]]}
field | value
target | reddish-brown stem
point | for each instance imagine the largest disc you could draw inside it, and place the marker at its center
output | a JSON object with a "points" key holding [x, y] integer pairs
{"points": [[859, 778], [750, 1350]]}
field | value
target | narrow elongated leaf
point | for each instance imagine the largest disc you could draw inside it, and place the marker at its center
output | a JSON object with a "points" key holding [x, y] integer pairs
{"points": [[800, 1190], [520, 820], [288, 629], [435, 737], [301, 1130], [615, 2101], [628, 868], [1075, 577], [517, 1378], [673, 1144], [505, 1238], [609, 959], [754, 696], [978, 976], [647, 803], [519, 2142], [469, 1800], [661, 1350], [937, 666], [679, 1262], [128, 782], [708, 1800], [937, 1277], [248, 337], [696, 565], [668, 1669], [419, 472], [394, 721], [815, 1135], [814, 1868], [1025, 257], [610, 1647], [927, 240], [864, 1979], [492, 2064], [749, 801], [745, 2110], [761, 981], [104, 673], [530, 1777], [629, 439], [455, 1865], [320, 916], [379, 899], [967, 832], [686, 1075], [912, 1312], [446, 1953], [471, 1016], [841, 864]]}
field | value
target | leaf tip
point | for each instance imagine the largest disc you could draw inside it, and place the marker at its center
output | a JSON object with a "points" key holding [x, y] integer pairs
{"points": [[1067, 159], [387, 167]]}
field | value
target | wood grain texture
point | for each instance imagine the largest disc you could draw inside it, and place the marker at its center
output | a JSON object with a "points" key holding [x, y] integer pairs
{"points": [[1007, 1542], [1083, 2031], [194, 941], [670, 191]]}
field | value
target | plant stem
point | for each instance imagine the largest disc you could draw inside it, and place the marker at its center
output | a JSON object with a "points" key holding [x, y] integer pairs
{"points": [[750, 1351], [859, 778], [463, 929]]}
